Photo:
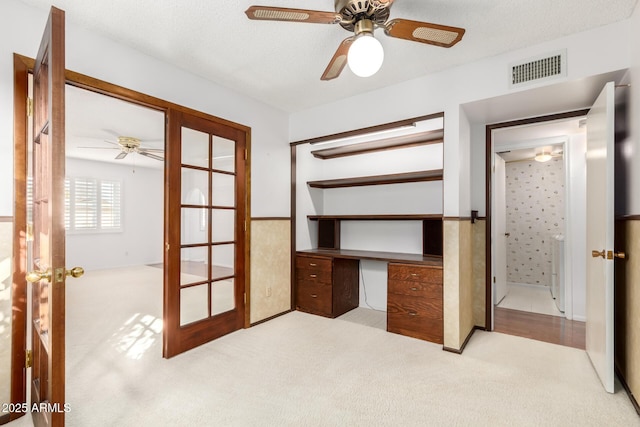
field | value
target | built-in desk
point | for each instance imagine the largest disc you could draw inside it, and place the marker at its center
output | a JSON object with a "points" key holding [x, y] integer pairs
{"points": [[327, 284]]}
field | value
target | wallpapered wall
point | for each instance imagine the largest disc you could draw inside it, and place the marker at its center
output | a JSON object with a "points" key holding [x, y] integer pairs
{"points": [[535, 212]]}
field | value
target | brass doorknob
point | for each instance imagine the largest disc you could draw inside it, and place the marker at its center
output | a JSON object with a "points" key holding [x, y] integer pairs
{"points": [[36, 276], [620, 255], [597, 254], [75, 272]]}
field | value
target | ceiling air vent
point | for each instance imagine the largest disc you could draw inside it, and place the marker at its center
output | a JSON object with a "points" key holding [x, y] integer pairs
{"points": [[539, 69]]}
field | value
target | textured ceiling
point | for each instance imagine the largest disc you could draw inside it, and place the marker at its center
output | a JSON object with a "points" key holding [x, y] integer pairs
{"points": [[280, 63]]}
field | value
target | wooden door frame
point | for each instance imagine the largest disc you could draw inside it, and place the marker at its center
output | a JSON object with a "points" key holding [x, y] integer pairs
{"points": [[488, 157], [22, 67]]}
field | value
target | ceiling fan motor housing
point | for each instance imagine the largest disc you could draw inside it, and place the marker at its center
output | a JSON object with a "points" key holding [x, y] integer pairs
{"points": [[354, 11], [128, 143]]}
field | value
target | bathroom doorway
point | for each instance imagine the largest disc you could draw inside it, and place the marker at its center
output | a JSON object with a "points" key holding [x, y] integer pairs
{"points": [[539, 190]]}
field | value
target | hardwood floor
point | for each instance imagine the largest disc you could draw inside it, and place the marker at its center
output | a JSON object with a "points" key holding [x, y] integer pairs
{"points": [[541, 327]]}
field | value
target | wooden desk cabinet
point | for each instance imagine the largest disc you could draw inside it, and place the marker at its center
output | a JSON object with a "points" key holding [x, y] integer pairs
{"points": [[414, 301], [326, 286]]}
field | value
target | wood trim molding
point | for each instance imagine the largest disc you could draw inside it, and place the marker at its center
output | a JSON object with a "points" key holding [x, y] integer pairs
{"points": [[293, 226], [369, 129], [271, 318], [115, 91], [456, 218]]}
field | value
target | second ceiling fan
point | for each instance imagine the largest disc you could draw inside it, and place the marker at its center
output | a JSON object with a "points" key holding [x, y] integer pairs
{"points": [[362, 51]]}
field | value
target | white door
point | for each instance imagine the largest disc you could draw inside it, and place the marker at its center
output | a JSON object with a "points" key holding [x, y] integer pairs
{"points": [[499, 230], [600, 227]]}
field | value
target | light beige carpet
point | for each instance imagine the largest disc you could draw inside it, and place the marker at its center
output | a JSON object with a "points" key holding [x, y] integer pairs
{"points": [[305, 370]]}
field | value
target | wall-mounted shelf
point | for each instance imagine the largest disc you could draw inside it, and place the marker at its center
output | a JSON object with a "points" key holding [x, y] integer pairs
{"points": [[384, 217], [405, 141], [397, 178], [431, 260]]}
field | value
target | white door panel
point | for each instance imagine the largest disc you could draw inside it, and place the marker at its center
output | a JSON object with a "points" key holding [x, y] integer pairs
{"points": [[600, 232]]}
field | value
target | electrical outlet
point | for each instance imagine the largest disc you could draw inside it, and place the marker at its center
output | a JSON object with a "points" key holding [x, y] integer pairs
{"points": [[268, 291]]}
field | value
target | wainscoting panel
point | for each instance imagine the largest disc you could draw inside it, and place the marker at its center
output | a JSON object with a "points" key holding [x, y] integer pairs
{"points": [[627, 296], [270, 267]]}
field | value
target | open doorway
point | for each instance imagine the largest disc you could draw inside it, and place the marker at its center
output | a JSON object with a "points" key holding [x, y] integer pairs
{"points": [[538, 210], [114, 199]]}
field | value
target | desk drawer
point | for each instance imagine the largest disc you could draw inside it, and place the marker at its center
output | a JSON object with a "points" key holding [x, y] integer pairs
{"points": [[420, 290], [313, 263], [313, 276], [415, 317], [416, 307], [314, 297], [415, 273]]}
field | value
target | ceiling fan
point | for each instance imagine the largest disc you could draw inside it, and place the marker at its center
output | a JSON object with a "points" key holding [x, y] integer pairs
{"points": [[362, 51], [128, 145]]}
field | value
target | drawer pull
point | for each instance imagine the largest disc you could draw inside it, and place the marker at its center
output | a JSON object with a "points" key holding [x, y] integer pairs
{"points": [[414, 288], [415, 274], [413, 313], [312, 264], [314, 296], [313, 275]]}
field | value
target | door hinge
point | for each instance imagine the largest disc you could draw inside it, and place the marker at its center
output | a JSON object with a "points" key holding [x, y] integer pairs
{"points": [[29, 107], [166, 247], [494, 279], [246, 154], [245, 225], [28, 359], [245, 297]]}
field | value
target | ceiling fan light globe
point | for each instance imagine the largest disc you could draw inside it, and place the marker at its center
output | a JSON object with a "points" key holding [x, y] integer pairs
{"points": [[365, 55]]}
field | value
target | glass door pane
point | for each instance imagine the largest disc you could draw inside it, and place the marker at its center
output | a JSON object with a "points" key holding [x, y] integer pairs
{"points": [[207, 226]]}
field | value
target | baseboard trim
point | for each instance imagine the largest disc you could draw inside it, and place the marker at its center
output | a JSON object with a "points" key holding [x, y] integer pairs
{"points": [[251, 325], [634, 402], [464, 344]]}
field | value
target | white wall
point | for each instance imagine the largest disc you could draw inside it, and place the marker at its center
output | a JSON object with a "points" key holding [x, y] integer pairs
{"points": [[140, 241], [633, 144], [589, 53], [96, 56]]}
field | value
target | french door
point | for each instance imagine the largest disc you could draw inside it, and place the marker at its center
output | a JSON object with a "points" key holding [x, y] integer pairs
{"points": [[205, 208], [48, 272]]}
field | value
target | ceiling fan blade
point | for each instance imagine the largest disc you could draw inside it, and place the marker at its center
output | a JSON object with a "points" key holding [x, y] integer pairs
{"points": [[153, 150], [150, 155], [339, 60], [122, 155], [424, 32], [111, 142], [269, 13]]}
